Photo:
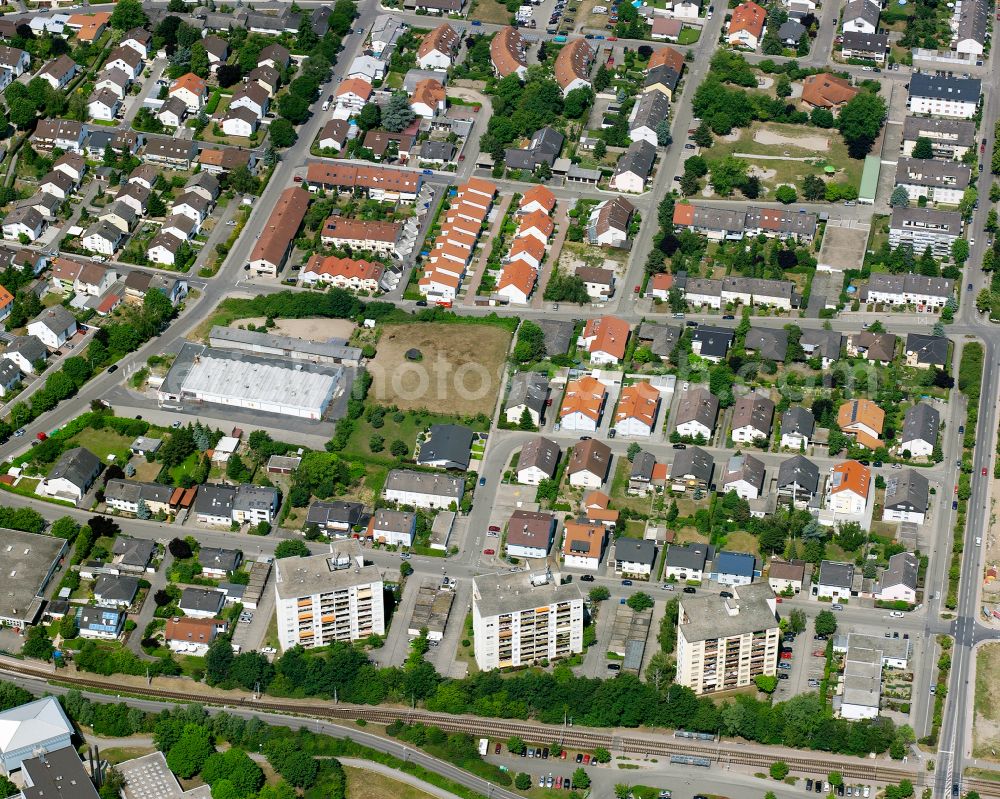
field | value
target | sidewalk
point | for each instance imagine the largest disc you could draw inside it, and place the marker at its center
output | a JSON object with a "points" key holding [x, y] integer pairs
{"points": [[471, 283], [561, 221]]}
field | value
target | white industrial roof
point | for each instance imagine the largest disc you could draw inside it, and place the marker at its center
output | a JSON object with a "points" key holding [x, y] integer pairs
{"points": [[31, 724]]}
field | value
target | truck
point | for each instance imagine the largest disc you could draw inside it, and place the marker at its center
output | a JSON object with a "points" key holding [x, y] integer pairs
{"points": [[484, 745]]}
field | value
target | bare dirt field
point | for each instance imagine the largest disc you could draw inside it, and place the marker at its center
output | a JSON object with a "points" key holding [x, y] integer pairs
{"points": [[768, 136], [459, 368], [843, 247], [986, 723], [309, 329]]}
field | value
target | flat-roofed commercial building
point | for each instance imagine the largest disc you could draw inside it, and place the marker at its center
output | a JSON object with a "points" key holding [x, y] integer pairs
{"points": [[242, 380], [522, 618], [724, 642], [28, 563], [330, 597]]}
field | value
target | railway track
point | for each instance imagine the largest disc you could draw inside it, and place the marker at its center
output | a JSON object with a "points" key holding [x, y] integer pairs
{"points": [[725, 754]]}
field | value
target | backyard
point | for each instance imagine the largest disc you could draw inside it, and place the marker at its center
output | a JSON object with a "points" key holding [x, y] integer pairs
{"points": [[102, 443]]}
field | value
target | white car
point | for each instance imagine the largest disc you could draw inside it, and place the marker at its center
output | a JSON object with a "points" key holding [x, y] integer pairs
{"points": [[896, 614], [269, 650]]}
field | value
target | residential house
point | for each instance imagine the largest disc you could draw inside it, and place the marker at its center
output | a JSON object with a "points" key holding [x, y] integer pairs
{"points": [[923, 351], [925, 293], [589, 463], [276, 56], [744, 474], [345, 273], [734, 568], [863, 420], [573, 63], [827, 91], [334, 135], [861, 16], [240, 122], [898, 582], [192, 636], [938, 181], [637, 409], [710, 342], [786, 577], [98, 622], [251, 96], [255, 504], [537, 198], [529, 393], [24, 221], [582, 404], [879, 347], [428, 99], [634, 558], [219, 564], [543, 148], [191, 90], [59, 72], [752, 416], [507, 53], [605, 339], [770, 343], [353, 93], [423, 490], [393, 527], [583, 545], [687, 563], [797, 428], [640, 480], [115, 591], [438, 48], [920, 431], [691, 469], [850, 485], [53, 327], [72, 476], [870, 46], [529, 534], [835, 580], [648, 115], [201, 603], [950, 138], [696, 413], [217, 50], [717, 224], [25, 352], [337, 517], [538, 461], [943, 95], [609, 222], [634, 167], [798, 481], [275, 242], [746, 27], [447, 447], [907, 497], [822, 344]]}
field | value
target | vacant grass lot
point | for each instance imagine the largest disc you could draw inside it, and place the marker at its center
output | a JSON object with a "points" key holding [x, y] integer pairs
{"points": [[459, 367], [780, 168], [986, 722], [103, 443], [489, 11], [364, 784]]}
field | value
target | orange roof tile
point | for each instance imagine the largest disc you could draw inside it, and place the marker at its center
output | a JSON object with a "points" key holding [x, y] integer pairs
{"points": [[527, 246], [609, 333], [638, 401], [853, 476], [860, 412], [347, 268], [573, 62], [518, 274], [583, 540], [361, 88], [443, 38], [191, 82], [748, 17], [667, 56], [536, 219], [430, 92], [585, 396], [507, 52], [540, 195], [683, 214], [827, 91]]}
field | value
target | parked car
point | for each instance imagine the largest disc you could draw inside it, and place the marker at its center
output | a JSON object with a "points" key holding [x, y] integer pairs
{"points": [[587, 578]]}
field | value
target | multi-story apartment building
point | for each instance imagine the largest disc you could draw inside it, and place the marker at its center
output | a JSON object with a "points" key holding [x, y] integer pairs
{"points": [[522, 618], [723, 643], [330, 597], [943, 96], [925, 227]]}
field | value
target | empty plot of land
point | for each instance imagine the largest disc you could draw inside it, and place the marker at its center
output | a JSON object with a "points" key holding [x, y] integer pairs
{"points": [[440, 367], [311, 329], [986, 724], [808, 141], [843, 248]]}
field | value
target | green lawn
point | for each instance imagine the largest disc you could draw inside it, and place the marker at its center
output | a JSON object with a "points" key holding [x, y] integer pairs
{"points": [[186, 467], [103, 443], [406, 431], [689, 35], [790, 171]]}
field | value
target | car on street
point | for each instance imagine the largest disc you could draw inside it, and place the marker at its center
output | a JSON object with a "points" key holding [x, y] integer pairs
{"points": [[785, 666], [587, 578], [954, 504], [782, 676], [579, 757], [819, 637], [489, 552], [984, 471], [113, 368], [614, 667], [786, 654], [688, 146], [494, 528], [668, 587], [18, 433], [837, 606], [680, 446], [176, 424], [496, 749], [626, 582], [688, 589], [819, 653], [896, 614], [586, 760]]}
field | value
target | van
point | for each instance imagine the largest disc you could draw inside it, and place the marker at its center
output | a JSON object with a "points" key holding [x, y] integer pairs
{"points": [[326, 105]]}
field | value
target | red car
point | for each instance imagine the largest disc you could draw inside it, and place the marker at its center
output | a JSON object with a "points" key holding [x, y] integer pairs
{"points": [[496, 750], [777, 599], [586, 760], [786, 655], [494, 528], [984, 471], [41, 436], [819, 653], [489, 552], [563, 755], [559, 782]]}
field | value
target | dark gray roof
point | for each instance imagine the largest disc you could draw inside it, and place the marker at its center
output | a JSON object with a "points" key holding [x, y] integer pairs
{"points": [[635, 550], [856, 41], [447, 443], [57, 775], [862, 9], [116, 588], [692, 461], [744, 467], [29, 347], [837, 575], [689, 556], [57, 319], [740, 564], [903, 569], [214, 500], [638, 159], [251, 497], [957, 132], [921, 423], [798, 420], [663, 338], [547, 141], [221, 559], [437, 484], [754, 410], [942, 87], [791, 31], [825, 343], [697, 404], [911, 283], [972, 20], [799, 470], [558, 335], [201, 599], [642, 466], [135, 552], [650, 110], [540, 452], [664, 74], [78, 465], [131, 491], [528, 388], [907, 490], [320, 20], [715, 341], [9, 373], [928, 172], [338, 512], [928, 349], [437, 151], [771, 343]]}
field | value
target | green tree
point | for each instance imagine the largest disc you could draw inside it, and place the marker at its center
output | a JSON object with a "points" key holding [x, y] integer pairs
{"points": [[397, 113], [218, 660], [960, 251], [797, 621], [199, 60], [923, 148], [600, 149], [398, 449], [37, 644], [128, 15], [825, 623], [779, 770], [633, 450], [581, 779], [599, 594], [835, 779], [899, 198], [601, 755], [530, 344], [370, 117], [813, 188], [236, 470], [860, 121], [282, 133], [639, 602], [522, 781], [515, 745], [291, 548], [65, 527], [192, 749], [767, 683], [785, 194]]}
